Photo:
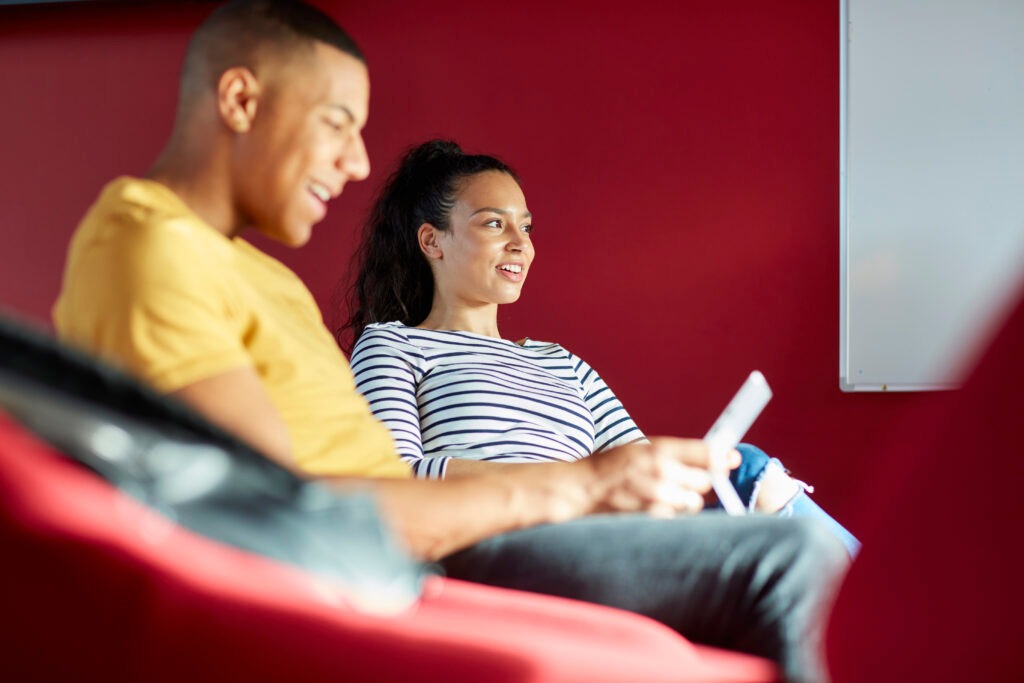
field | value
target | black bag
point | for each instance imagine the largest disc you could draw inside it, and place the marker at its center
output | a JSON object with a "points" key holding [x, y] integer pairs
{"points": [[164, 454]]}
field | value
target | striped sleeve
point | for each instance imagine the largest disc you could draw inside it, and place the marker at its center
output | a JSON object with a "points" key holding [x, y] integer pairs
{"points": [[388, 369], [613, 426]]}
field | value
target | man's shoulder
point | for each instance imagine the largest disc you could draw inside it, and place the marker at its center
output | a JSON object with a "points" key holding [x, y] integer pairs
{"points": [[136, 220], [142, 290], [136, 201]]}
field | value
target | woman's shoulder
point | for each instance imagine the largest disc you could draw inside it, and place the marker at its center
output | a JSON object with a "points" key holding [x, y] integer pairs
{"points": [[392, 334], [392, 328], [545, 348], [397, 331]]}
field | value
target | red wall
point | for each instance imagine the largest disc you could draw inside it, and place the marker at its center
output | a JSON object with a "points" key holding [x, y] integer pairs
{"points": [[681, 160]]}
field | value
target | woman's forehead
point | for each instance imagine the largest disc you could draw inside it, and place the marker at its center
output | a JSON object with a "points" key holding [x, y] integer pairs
{"points": [[491, 188]]}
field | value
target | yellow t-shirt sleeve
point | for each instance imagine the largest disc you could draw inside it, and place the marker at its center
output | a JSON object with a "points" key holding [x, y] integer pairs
{"points": [[145, 302]]}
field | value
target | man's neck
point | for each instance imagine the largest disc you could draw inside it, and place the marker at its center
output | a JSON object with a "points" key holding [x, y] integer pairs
{"points": [[199, 180]]}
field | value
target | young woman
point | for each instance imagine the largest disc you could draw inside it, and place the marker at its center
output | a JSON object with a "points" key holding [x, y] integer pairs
{"points": [[447, 243]]}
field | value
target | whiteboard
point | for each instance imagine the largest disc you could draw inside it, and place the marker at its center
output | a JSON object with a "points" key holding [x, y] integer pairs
{"points": [[931, 185]]}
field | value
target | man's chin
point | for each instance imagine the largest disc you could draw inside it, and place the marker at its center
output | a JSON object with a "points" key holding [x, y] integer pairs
{"points": [[297, 241], [291, 236]]}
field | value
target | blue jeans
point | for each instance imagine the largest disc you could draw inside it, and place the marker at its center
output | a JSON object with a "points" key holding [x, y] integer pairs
{"points": [[747, 478], [757, 584]]}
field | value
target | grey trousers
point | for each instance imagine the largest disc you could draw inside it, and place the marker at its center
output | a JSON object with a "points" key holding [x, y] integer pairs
{"points": [[757, 584]]}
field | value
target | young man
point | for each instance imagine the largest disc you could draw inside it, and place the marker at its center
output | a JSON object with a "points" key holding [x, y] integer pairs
{"points": [[273, 99]]}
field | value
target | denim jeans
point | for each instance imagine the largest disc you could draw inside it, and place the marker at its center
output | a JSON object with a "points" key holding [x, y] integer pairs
{"points": [[747, 479], [758, 584]]}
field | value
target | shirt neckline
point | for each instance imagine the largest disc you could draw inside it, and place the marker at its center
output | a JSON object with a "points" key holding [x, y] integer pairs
{"points": [[526, 341]]}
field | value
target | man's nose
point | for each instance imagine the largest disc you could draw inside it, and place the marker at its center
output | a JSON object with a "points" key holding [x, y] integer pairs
{"points": [[354, 162]]}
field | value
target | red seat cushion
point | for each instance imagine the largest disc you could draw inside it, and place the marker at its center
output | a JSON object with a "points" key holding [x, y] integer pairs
{"points": [[94, 585]]}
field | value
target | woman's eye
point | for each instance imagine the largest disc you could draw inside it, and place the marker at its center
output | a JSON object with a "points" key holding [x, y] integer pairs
{"points": [[493, 223], [335, 125], [528, 228]]}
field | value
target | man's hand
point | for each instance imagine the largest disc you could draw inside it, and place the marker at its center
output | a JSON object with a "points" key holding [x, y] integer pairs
{"points": [[665, 477]]}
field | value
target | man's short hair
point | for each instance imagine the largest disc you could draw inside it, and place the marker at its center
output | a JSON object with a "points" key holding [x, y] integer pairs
{"points": [[250, 32]]}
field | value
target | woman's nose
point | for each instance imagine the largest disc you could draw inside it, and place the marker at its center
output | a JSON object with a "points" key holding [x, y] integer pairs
{"points": [[518, 240]]}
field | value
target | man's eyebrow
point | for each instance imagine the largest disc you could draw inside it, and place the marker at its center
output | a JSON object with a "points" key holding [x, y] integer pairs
{"points": [[503, 212]]}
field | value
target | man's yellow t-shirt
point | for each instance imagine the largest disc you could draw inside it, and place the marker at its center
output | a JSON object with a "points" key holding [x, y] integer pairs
{"points": [[151, 287]]}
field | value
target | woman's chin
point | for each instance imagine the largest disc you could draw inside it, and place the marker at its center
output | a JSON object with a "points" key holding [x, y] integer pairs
{"points": [[511, 297]]}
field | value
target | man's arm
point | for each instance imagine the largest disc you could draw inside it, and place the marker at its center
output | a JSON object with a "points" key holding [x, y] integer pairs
{"points": [[664, 477], [237, 402]]}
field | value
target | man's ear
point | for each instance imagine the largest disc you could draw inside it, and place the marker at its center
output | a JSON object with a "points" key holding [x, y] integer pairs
{"points": [[430, 243], [238, 93]]}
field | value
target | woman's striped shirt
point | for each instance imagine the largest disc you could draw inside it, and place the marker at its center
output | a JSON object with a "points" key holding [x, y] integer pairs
{"points": [[450, 394]]}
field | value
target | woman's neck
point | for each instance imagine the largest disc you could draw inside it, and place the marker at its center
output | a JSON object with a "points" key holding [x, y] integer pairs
{"points": [[481, 320]]}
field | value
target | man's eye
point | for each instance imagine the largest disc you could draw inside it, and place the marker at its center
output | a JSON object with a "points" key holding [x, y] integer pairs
{"points": [[528, 228], [336, 125]]}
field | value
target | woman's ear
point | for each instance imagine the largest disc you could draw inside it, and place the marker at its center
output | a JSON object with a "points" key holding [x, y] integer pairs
{"points": [[430, 244], [238, 92]]}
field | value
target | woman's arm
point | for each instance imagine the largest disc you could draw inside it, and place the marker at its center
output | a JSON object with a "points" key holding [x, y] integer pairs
{"points": [[613, 426], [387, 371]]}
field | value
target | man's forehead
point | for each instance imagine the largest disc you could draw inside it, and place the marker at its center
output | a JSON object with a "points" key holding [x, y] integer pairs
{"points": [[346, 80], [326, 77]]}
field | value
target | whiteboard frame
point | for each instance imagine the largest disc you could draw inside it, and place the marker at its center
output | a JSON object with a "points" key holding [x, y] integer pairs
{"points": [[847, 373], [846, 382]]}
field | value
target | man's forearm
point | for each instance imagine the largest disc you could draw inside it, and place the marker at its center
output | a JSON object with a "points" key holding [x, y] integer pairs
{"points": [[436, 518], [665, 476]]}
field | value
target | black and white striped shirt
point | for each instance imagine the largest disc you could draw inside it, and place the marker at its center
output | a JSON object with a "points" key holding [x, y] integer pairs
{"points": [[463, 395]]}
